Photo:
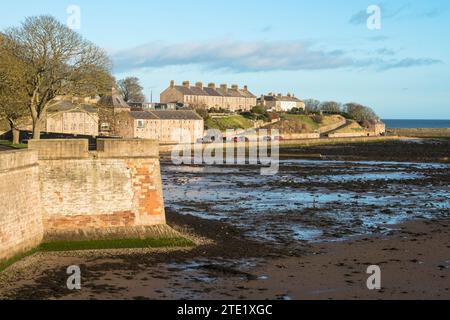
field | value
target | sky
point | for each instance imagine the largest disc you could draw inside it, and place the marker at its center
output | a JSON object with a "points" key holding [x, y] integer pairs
{"points": [[322, 49]]}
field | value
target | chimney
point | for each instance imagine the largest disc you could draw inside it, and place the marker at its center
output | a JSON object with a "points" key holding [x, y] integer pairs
{"points": [[235, 87], [289, 95], [199, 85], [186, 84], [212, 85], [245, 88], [172, 83], [224, 88]]}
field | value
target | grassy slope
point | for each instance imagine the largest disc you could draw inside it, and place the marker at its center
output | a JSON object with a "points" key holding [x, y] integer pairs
{"points": [[15, 146], [351, 128], [291, 123], [303, 119], [231, 122], [102, 244]]}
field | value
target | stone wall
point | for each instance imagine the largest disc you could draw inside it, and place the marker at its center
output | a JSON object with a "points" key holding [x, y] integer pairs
{"points": [[20, 210], [115, 192], [333, 126], [301, 136], [349, 134]]}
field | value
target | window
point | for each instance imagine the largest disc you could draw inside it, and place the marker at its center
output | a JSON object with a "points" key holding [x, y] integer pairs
{"points": [[141, 124]]}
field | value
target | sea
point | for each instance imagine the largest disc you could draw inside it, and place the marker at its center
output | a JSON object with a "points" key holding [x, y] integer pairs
{"points": [[411, 124]]}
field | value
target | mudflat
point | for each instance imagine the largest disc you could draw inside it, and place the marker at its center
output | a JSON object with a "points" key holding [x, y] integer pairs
{"points": [[309, 232]]}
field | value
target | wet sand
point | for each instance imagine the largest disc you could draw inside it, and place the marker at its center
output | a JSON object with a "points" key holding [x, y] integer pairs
{"points": [[414, 261], [238, 258]]}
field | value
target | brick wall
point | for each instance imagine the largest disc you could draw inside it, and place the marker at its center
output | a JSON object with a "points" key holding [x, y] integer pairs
{"points": [[20, 217], [102, 193]]}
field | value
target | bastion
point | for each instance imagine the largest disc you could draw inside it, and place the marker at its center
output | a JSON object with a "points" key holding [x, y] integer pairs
{"points": [[58, 190]]}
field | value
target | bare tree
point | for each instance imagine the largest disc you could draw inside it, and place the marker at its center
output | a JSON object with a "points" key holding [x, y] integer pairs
{"points": [[13, 97], [331, 107], [312, 105], [58, 62], [131, 90]]}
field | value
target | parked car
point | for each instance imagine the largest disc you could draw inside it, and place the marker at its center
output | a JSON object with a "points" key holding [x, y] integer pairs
{"points": [[207, 140]]}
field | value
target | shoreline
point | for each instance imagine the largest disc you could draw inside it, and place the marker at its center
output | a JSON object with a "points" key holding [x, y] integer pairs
{"points": [[229, 263], [414, 265]]}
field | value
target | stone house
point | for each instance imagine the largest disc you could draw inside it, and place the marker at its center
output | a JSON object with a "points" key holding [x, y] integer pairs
{"points": [[70, 117], [229, 98], [281, 103], [112, 111], [165, 126]]}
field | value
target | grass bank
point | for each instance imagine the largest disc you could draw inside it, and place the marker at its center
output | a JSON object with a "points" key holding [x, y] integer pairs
{"points": [[61, 246], [231, 122], [7, 143]]}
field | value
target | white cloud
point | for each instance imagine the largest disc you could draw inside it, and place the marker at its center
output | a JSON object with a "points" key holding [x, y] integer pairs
{"points": [[256, 56], [232, 55]]}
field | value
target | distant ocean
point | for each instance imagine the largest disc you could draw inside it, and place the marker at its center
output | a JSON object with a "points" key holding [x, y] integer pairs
{"points": [[410, 124]]}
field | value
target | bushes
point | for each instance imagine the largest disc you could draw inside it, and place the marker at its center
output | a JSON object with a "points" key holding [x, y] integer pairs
{"points": [[362, 114], [318, 118], [297, 111], [257, 113]]}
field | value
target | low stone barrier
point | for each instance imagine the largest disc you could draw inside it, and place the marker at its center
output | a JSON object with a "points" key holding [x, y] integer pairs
{"points": [[300, 136], [348, 134], [20, 203]]}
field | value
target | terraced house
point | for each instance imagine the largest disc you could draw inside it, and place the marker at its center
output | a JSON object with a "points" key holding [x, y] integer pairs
{"points": [[223, 97]]}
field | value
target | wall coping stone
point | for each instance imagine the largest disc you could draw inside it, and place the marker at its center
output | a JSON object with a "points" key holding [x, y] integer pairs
{"points": [[127, 148], [16, 159]]}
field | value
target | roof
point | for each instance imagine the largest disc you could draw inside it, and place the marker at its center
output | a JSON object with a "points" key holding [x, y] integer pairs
{"points": [[234, 93], [69, 106], [184, 90], [269, 98], [212, 92], [165, 115], [114, 100], [144, 115], [217, 92], [281, 98], [196, 91], [247, 94], [176, 114]]}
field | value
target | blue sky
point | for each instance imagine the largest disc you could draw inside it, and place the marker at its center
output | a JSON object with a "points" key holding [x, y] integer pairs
{"points": [[316, 49]]}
